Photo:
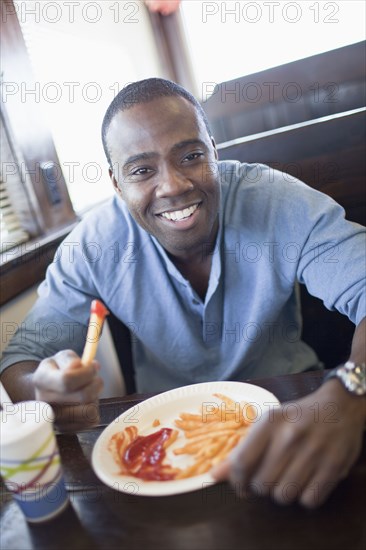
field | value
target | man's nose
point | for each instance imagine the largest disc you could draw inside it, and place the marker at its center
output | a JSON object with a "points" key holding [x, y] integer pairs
{"points": [[172, 183]]}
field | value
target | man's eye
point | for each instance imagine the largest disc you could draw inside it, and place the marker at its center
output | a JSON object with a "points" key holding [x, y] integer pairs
{"points": [[192, 156], [141, 171]]}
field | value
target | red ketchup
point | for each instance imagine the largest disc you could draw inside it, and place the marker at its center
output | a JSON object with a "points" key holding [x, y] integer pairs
{"points": [[144, 456], [99, 309]]}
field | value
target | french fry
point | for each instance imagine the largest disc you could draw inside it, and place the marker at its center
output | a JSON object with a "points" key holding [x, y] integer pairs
{"points": [[98, 313], [199, 418], [244, 409], [119, 443], [227, 400], [194, 469], [248, 414], [230, 444], [192, 448], [212, 428], [173, 436], [190, 416], [211, 450]]}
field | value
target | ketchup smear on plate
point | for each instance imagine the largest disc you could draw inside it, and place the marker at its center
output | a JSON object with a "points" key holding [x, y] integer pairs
{"points": [[144, 456]]}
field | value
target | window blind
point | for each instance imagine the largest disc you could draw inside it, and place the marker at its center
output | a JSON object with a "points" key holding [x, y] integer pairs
{"points": [[13, 198]]}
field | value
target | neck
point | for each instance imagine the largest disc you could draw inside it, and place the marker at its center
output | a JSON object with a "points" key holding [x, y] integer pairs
{"points": [[200, 254], [195, 266]]}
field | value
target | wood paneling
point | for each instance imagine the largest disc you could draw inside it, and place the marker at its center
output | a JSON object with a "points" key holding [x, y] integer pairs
{"points": [[320, 85], [327, 155]]}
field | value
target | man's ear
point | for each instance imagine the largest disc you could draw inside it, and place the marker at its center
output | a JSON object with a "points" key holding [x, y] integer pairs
{"points": [[214, 146], [114, 182]]}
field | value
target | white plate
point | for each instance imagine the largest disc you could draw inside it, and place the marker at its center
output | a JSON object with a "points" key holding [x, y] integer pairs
{"points": [[167, 407]]}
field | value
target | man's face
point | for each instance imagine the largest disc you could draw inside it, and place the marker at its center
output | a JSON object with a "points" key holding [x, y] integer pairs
{"points": [[165, 169]]}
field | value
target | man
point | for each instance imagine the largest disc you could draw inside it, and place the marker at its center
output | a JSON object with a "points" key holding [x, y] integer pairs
{"points": [[170, 263]]}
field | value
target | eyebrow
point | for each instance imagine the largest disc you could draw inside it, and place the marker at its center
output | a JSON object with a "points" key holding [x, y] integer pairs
{"points": [[149, 155], [138, 157], [182, 144]]}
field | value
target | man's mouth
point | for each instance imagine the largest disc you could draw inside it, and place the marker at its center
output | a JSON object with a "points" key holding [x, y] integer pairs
{"points": [[179, 215]]}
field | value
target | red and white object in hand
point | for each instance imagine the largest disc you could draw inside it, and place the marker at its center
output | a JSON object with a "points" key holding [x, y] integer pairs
{"points": [[165, 7], [98, 313]]}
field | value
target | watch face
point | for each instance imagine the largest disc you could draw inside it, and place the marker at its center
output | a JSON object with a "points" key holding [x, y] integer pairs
{"points": [[353, 377]]}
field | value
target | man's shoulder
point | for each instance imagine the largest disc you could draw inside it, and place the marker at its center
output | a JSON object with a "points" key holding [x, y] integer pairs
{"points": [[257, 196], [260, 182], [252, 174], [241, 182], [110, 219]]}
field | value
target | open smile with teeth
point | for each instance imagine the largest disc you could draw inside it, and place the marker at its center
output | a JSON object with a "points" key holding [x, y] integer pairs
{"points": [[178, 215]]}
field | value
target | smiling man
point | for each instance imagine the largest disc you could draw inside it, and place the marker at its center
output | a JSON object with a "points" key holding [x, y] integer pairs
{"points": [[202, 259], [165, 170]]}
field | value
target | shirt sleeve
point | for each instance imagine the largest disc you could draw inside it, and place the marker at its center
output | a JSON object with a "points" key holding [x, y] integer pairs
{"points": [[60, 316], [319, 247], [44, 332], [333, 261], [314, 243]]}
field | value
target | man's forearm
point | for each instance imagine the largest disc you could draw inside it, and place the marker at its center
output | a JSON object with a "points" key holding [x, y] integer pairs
{"points": [[358, 351], [17, 380], [357, 356]]}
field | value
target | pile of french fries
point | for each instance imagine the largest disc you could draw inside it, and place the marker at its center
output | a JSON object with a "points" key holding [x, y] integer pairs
{"points": [[212, 434], [209, 436]]}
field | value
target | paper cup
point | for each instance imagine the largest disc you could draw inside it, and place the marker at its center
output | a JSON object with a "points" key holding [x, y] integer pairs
{"points": [[29, 460]]}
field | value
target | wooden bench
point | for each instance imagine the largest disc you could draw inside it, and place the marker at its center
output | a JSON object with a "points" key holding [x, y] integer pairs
{"points": [[321, 85], [326, 153]]}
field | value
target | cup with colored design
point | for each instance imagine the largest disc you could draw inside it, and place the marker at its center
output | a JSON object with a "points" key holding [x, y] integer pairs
{"points": [[29, 459]]}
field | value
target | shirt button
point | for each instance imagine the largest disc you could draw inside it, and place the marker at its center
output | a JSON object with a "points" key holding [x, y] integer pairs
{"points": [[195, 302]]}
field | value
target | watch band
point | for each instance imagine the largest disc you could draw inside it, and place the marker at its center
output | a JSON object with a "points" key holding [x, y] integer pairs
{"points": [[352, 376]]}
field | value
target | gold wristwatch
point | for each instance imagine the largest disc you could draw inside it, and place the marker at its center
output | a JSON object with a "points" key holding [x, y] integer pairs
{"points": [[352, 376]]}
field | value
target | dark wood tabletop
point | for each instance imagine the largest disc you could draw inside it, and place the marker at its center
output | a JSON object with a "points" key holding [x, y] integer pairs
{"points": [[214, 518]]}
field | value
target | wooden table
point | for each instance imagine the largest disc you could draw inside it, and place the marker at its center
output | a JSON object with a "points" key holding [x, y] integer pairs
{"points": [[214, 518]]}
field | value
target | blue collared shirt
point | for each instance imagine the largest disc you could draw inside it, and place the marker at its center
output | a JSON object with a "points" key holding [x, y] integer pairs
{"points": [[274, 232]]}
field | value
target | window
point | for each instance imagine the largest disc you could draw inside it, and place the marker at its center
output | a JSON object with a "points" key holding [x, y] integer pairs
{"points": [[229, 40], [81, 59], [61, 69], [12, 196]]}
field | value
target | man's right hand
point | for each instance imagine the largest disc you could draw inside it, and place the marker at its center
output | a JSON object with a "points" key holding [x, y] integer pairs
{"points": [[62, 381], [71, 388]]}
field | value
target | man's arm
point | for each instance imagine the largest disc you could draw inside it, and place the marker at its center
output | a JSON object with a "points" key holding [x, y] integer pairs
{"points": [[305, 460], [358, 350], [36, 366], [17, 380]]}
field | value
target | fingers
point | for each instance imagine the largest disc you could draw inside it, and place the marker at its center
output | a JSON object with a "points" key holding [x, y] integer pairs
{"points": [[221, 471], [67, 359], [71, 388], [86, 394], [283, 470], [323, 481], [242, 462], [277, 460], [286, 486], [64, 374], [247, 457]]}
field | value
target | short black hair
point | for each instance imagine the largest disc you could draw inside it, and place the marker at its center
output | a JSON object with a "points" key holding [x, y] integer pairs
{"points": [[144, 91]]}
